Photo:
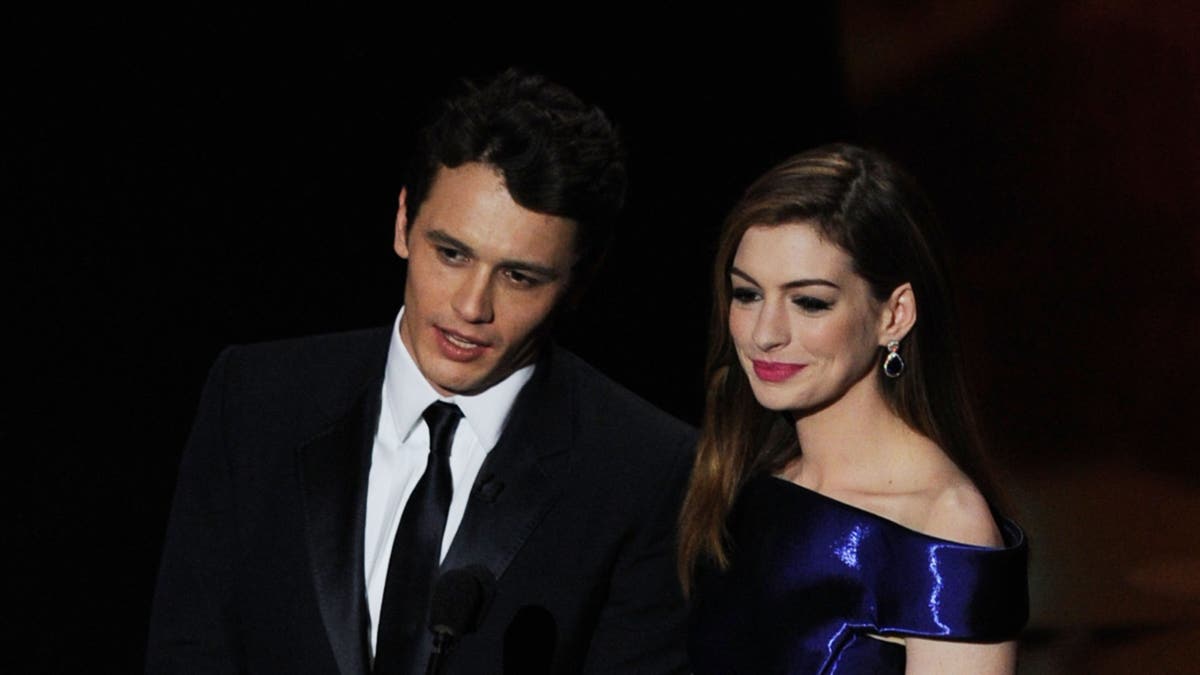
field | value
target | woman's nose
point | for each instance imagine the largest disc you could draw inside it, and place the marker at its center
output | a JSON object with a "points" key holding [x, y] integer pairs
{"points": [[771, 330]]}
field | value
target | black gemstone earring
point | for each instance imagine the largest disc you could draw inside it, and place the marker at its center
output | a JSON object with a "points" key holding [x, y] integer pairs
{"points": [[893, 365]]}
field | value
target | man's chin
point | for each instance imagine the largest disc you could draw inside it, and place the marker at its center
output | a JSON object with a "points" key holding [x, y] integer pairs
{"points": [[450, 381], [450, 377]]}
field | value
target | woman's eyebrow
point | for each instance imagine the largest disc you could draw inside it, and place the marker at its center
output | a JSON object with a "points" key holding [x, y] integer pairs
{"points": [[796, 283]]}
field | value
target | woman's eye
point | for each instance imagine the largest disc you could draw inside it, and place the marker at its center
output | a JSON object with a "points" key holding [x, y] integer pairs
{"points": [[745, 295], [811, 304]]}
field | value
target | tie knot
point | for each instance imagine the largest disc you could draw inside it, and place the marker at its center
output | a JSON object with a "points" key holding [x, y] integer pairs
{"points": [[442, 419]]}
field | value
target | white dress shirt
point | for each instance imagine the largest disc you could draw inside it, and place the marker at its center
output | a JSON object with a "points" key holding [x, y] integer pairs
{"points": [[402, 447]]}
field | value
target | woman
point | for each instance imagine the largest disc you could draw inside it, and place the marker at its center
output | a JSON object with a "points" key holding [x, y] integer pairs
{"points": [[839, 519]]}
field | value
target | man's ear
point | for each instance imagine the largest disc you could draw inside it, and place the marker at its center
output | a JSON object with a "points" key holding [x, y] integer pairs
{"points": [[400, 243], [899, 314]]}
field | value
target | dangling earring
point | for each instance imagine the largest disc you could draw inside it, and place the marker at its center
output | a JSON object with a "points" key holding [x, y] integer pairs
{"points": [[893, 365]]}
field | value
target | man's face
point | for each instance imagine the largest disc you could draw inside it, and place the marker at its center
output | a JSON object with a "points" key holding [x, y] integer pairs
{"points": [[484, 275]]}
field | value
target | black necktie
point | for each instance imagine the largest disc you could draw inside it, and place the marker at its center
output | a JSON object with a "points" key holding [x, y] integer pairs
{"points": [[415, 553]]}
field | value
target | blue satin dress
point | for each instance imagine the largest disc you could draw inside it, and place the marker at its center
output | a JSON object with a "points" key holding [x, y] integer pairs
{"points": [[811, 577]]}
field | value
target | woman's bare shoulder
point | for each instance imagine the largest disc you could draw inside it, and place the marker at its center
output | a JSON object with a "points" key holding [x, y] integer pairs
{"points": [[958, 512]]}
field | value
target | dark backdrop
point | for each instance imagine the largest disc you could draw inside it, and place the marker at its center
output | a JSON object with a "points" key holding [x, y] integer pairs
{"points": [[191, 180], [178, 181]]}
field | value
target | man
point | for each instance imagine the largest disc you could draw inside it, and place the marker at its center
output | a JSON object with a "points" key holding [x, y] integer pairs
{"points": [[316, 474]]}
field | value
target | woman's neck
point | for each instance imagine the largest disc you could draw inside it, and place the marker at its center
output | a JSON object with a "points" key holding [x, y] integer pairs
{"points": [[856, 443]]}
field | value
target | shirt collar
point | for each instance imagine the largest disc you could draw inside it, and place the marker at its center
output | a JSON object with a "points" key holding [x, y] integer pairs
{"points": [[408, 393]]}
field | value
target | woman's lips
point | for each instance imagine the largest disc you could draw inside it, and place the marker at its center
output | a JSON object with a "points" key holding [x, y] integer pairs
{"points": [[458, 347], [771, 371]]}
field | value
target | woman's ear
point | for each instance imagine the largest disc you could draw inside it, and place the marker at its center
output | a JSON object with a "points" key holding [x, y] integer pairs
{"points": [[899, 314]]}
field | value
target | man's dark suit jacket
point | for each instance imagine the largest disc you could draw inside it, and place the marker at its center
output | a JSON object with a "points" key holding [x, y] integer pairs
{"points": [[573, 511]]}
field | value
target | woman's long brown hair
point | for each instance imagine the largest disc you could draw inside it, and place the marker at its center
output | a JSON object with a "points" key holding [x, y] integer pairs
{"points": [[867, 206]]}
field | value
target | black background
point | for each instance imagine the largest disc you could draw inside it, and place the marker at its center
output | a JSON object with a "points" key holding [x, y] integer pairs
{"points": [[181, 180], [188, 181]]}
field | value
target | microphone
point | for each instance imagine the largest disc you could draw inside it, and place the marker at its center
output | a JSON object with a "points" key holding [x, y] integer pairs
{"points": [[529, 642], [461, 598]]}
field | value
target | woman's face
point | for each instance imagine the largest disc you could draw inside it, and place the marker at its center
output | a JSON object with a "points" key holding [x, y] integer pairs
{"points": [[804, 323]]}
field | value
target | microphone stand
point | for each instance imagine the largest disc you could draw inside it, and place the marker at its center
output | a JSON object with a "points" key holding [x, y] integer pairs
{"points": [[443, 641]]}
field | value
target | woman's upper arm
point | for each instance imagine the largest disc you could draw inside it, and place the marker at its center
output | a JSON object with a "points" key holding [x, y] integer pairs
{"points": [[976, 658]]}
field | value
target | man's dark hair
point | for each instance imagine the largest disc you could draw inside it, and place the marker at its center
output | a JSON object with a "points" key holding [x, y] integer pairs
{"points": [[556, 154]]}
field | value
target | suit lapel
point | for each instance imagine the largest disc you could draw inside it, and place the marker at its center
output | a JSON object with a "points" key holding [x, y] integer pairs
{"points": [[519, 481], [517, 485], [333, 472]]}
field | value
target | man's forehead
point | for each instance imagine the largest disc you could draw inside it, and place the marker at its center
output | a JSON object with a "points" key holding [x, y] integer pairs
{"points": [[470, 205]]}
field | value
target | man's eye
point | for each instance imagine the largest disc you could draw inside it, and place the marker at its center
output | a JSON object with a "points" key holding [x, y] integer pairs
{"points": [[745, 295], [522, 279], [451, 254]]}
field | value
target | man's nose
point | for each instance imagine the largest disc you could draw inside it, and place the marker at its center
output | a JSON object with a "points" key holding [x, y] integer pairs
{"points": [[473, 298]]}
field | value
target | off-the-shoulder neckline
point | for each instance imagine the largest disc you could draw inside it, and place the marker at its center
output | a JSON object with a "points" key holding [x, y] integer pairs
{"points": [[1009, 530]]}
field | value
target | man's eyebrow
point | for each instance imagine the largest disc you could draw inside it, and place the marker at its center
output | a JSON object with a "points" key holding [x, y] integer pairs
{"points": [[440, 238], [795, 283]]}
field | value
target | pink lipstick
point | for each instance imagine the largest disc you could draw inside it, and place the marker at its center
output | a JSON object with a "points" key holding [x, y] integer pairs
{"points": [[772, 371]]}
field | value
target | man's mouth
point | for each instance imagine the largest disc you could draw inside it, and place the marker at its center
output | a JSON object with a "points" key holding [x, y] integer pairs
{"points": [[458, 347], [460, 341]]}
